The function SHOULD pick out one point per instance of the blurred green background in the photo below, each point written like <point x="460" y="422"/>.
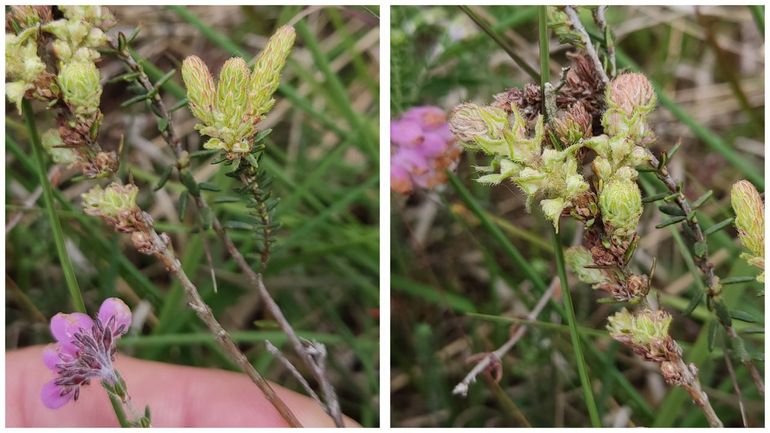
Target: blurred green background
<point x="454" y="284"/>
<point x="322" y="156"/>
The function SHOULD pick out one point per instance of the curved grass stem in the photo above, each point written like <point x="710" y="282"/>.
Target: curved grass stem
<point x="53" y="219"/>
<point x="585" y="381"/>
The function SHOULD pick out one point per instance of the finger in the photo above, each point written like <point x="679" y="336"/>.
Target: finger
<point x="178" y="396"/>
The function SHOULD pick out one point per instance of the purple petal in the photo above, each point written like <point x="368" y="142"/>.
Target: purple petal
<point x="51" y="356"/>
<point x="114" y="307"/>
<point x="433" y="145"/>
<point x="64" y="327"/>
<point x="410" y="159"/>
<point x="427" y="116"/>
<point x="53" y="395"/>
<point x="406" y="133"/>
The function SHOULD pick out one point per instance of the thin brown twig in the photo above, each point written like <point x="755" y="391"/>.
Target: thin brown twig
<point x="494" y="357"/>
<point x="689" y="381"/>
<point x="318" y="371"/>
<point x="293" y="370"/>
<point x="163" y="251"/>
<point x="586" y="39"/>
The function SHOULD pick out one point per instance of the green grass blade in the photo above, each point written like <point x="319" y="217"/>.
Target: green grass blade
<point x="585" y="381"/>
<point x="545" y="53"/>
<point x="338" y="93"/>
<point x="53" y="219"/>
<point x="502" y="42"/>
<point x="431" y="294"/>
<point x="300" y="234"/>
<point x="211" y="34"/>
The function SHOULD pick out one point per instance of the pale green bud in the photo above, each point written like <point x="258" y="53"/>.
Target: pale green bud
<point x="561" y="176"/>
<point x="15" y="92"/>
<point x="214" y="144"/>
<point x="232" y="93"/>
<point x="599" y="144"/>
<point x="615" y="153"/>
<point x="61" y="49"/>
<point x="572" y="125"/>
<point x="201" y="92"/>
<point x="480" y="127"/>
<point x="466" y="123"/>
<point x="226" y="142"/>
<point x="602" y="167"/>
<point x="631" y="93"/>
<point x="575" y="185"/>
<point x="552" y="209"/>
<point x="530" y="181"/>
<point x="522" y="148"/>
<point x="96" y="38"/>
<point x="110" y="202"/>
<point x="76" y="39"/>
<point x="626" y="173"/>
<point x="651" y="326"/>
<point x="22" y="65"/>
<point x="630" y="98"/>
<point x="95" y="15"/>
<point x="750" y="222"/>
<point x="267" y="69"/>
<point x="639" y="156"/>
<point x="495" y="132"/>
<point x="84" y="54"/>
<point x="79" y="83"/>
<point x="579" y="259"/>
<point x="640" y="329"/>
<point x="58" y="28"/>
<point x="621" y="323"/>
<point x="620" y="202"/>
<point x="77" y="32"/>
<point x="553" y="179"/>
<point x="21" y="60"/>
<point x="620" y="148"/>
<point x="52" y="143"/>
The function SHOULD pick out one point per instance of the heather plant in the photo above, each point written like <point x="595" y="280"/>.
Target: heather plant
<point x="422" y="149"/>
<point x="64" y="71"/>
<point x="583" y="151"/>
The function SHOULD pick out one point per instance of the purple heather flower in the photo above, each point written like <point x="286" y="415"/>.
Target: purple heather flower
<point x="422" y="147"/>
<point x="84" y="350"/>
